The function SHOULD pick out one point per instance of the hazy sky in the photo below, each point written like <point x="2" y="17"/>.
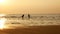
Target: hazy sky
<point x="29" y="6"/>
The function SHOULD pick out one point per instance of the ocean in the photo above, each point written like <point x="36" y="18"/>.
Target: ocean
<point x="16" y="20"/>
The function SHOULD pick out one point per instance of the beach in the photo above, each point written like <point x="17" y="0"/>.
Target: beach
<point x="53" y="29"/>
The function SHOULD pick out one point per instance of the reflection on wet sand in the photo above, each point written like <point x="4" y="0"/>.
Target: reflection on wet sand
<point x="33" y="30"/>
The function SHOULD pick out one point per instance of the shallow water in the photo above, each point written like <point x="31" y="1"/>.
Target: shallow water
<point x="15" y="20"/>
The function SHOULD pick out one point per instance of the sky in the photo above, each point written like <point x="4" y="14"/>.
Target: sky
<point x="29" y="6"/>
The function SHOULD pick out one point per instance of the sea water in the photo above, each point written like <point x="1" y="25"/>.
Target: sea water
<point x="15" y="20"/>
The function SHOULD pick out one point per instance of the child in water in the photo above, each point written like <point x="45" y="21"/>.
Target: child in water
<point x="23" y="16"/>
<point x="28" y="16"/>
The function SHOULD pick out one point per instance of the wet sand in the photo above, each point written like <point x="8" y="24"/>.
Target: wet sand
<point x="52" y="29"/>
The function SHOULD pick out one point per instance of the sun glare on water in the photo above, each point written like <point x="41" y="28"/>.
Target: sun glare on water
<point x="2" y="22"/>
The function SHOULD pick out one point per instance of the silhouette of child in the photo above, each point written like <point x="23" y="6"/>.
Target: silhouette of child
<point x="28" y="16"/>
<point x="23" y="16"/>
